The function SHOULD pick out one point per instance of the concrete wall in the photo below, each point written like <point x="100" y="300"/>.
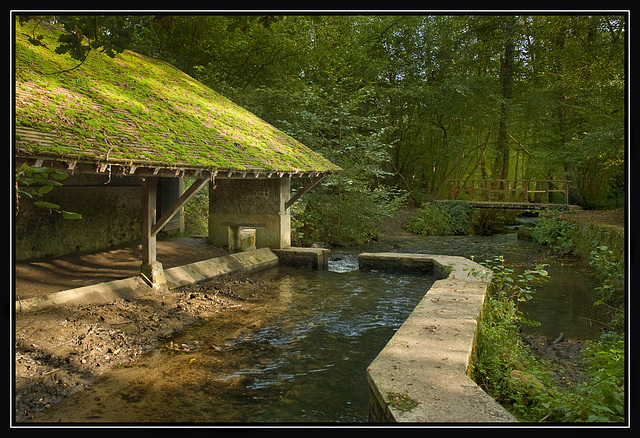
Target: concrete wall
<point x="135" y="287"/>
<point x="253" y="201"/>
<point x="420" y="376"/>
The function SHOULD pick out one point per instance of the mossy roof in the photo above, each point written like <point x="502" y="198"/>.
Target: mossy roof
<point x="140" y="112"/>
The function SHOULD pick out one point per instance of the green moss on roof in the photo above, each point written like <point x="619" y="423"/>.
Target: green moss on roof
<point x="149" y="113"/>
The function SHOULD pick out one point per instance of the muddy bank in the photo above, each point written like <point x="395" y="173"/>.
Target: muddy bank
<point x="61" y="351"/>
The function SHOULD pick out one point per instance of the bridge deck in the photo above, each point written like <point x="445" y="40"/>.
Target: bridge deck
<point x="518" y="205"/>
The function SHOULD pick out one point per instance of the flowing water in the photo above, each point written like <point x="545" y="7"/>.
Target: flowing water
<point x="564" y="304"/>
<point x="304" y="358"/>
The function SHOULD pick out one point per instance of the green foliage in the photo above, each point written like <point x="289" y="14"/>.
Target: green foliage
<point x="554" y="233"/>
<point x="499" y="350"/>
<point x="605" y="391"/>
<point x="602" y="398"/>
<point x="35" y="182"/>
<point x="561" y="237"/>
<point x="342" y="213"/>
<point x="396" y="101"/>
<point x="612" y="287"/>
<point x="442" y="218"/>
<point x="109" y="34"/>
<point x="501" y="359"/>
<point x="196" y="211"/>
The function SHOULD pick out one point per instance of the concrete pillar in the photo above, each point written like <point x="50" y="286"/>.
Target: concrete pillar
<point x="250" y="201"/>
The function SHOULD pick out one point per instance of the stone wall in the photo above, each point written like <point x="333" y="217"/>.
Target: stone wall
<point x="110" y="217"/>
<point x="251" y="201"/>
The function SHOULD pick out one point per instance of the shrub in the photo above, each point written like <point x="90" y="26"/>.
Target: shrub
<point x="487" y="222"/>
<point x="601" y="399"/>
<point x="442" y="218"/>
<point x="500" y="353"/>
<point x="611" y="290"/>
<point x="500" y="357"/>
<point x="554" y="233"/>
<point x="348" y="216"/>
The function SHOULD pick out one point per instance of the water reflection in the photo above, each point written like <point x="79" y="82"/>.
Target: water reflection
<point x="564" y="304"/>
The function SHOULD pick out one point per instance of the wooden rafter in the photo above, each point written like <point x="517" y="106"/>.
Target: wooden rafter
<point x="304" y="190"/>
<point x="186" y="196"/>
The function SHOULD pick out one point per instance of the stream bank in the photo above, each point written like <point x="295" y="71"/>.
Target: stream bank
<point x="61" y="351"/>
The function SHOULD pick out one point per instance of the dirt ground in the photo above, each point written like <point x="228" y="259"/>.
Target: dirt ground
<point x="61" y="351"/>
<point x="607" y="217"/>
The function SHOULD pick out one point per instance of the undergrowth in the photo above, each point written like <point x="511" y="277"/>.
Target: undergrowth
<point x="506" y="368"/>
<point x="442" y="218"/>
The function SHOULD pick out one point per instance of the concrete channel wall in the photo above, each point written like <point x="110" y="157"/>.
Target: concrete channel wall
<point x="421" y="375"/>
<point x="176" y="277"/>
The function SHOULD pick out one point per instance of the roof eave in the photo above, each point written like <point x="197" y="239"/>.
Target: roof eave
<point x="89" y="167"/>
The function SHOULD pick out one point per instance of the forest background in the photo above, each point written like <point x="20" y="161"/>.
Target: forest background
<point x="405" y="102"/>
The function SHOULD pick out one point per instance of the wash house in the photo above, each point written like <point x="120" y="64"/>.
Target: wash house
<point x="128" y="130"/>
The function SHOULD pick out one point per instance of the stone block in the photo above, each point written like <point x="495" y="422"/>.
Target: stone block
<point x="314" y="258"/>
<point x="251" y="201"/>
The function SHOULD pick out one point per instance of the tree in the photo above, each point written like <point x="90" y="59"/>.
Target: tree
<point x="410" y="101"/>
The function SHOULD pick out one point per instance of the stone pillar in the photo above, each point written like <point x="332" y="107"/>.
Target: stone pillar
<point x="250" y="201"/>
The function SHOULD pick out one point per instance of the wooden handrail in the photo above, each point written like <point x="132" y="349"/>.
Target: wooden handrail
<point x="505" y="187"/>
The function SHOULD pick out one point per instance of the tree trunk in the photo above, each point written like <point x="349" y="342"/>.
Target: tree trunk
<point x="501" y="165"/>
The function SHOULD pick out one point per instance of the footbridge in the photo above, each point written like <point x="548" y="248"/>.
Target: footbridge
<point x="512" y="194"/>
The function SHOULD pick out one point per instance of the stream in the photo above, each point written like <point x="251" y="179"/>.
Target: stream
<point x="562" y="305"/>
<point x="304" y="358"/>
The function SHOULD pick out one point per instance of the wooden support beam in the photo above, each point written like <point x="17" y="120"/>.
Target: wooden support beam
<point x="149" y="196"/>
<point x="150" y="270"/>
<point x="186" y="196"/>
<point x="304" y="190"/>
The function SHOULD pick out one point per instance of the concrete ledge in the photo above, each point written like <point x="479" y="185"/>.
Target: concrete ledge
<point x="239" y="263"/>
<point x="96" y="293"/>
<point x="314" y="258"/>
<point x="132" y="287"/>
<point x="420" y="376"/>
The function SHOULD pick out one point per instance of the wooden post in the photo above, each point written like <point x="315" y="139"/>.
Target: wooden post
<point x="304" y="190"/>
<point x="149" y="196"/>
<point x="546" y="191"/>
<point x="151" y="270"/>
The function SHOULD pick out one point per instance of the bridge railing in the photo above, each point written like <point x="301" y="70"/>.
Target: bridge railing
<point x="509" y="190"/>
